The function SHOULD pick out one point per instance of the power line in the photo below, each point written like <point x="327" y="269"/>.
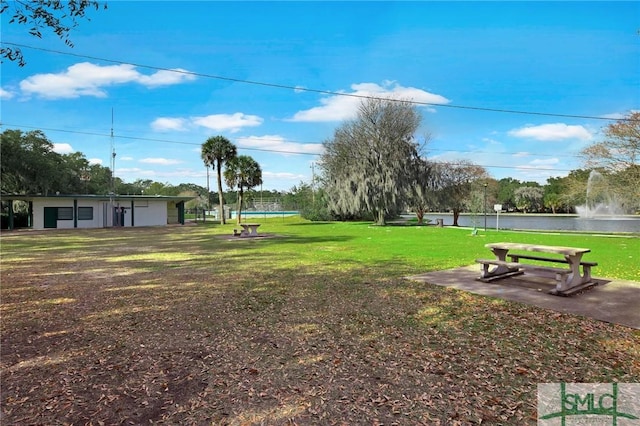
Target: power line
<point x="277" y="151"/>
<point x="152" y="139"/>
<point x="488" y="166"/>
<point x="311" y="90"/>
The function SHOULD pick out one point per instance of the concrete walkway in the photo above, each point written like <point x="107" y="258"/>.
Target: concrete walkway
<point x="613" y="301"/>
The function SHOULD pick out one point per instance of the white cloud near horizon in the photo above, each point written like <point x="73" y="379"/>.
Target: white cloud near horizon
<point x="227" y="122"/>
<point x="552" y="132"/>
<point x="62" y="148"/>
<point x="283" y="175"/>
<point x="278" y="143"/>
<point x="345" y="106"/>
<point x="94" y="161"/>
<point x="87" y="79"/>
<point x="136" y="172"/>
<point x="161" y="161"/>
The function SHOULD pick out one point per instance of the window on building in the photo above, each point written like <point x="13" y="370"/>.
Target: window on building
<point x="85" y="213"/>
<point x="65" y="213"/>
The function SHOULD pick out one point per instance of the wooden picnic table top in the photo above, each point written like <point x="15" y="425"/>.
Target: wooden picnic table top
<point x="568" y="251"/>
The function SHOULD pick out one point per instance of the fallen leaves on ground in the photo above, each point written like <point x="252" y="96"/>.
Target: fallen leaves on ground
<point x="90" y="340"/>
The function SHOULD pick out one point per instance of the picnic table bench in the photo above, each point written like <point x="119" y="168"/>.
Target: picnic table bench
<point x="568" y="280"/>
<point x="249" y="229"/>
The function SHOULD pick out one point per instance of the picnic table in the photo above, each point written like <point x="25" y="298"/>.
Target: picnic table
<point x="568" y="280"/>
<point x="249" y="229"/>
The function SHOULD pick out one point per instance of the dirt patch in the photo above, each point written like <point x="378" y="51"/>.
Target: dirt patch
<point x="139" y="327"/>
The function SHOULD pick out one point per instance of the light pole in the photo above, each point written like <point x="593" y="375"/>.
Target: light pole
<point x="485" y="207"/>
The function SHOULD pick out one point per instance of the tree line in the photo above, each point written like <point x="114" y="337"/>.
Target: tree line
<point x="372" y="168"/>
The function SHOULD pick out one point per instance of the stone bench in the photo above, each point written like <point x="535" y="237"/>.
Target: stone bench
<point x="507" y="269"/>
<point x="516" y="257"/>
<point x="586" y="266"/>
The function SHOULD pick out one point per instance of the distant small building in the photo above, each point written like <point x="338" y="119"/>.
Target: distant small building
<point x="98" y="211"/>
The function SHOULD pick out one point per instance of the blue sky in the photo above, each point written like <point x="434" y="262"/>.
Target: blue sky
<point x="463" y="60"/>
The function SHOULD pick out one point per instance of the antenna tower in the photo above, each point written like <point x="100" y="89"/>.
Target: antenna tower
<point x="113" y="159"/>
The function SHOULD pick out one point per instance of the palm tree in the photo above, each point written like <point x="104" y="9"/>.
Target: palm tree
<point x="242" y="172"/>
<point x="217" y="151"/>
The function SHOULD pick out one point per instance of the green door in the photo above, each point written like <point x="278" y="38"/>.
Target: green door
<point x="180" y="206"/>
<point x="50" y="217"/>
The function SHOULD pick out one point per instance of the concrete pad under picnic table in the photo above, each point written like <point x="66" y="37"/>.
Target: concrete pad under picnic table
<point x="614" y="301"/>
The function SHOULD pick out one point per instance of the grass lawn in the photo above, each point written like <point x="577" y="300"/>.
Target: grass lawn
<point x="178" y="325"/>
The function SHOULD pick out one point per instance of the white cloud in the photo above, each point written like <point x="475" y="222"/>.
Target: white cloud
<point x="552" y="132"/>
<point x="62" y="148"/>
<point x="83" y="79"/>
<point x="5" y="94"/>
<point x="278" y="143"/>
<point x="521" y="154"/>
<point x="162" y="161"/>
<point x="94" y="161"/>
<point x="168" y="123"/>
<point x="219" y="122"/>
<point x="344" y="107"/>
<point x="166" y="77"/>
<point x="87" y="79"/>
<point x="491" y="141"/>
<point x="136" y="173"/>
<point x="283" y="176"/>
<point x="544" y="163"/>
<point x="538" y="170"/>
<point x="126" y="158"/>
<point x="228" y="122"/>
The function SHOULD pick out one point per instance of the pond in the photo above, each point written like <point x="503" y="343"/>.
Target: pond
<point x="629" y="224"/>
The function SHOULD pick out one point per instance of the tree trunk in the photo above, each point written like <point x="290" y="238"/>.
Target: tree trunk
<point x="456" y="215"/>
<point x="380" y="220"/>
<point x="220" y="197"/>
<point x="239" y="209"/>
<point x="420" y="216"/>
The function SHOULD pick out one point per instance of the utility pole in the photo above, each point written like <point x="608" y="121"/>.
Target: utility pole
<point x="112" y="165"/>
<point x="113" y="159"/>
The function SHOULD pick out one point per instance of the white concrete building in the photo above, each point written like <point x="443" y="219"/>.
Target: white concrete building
<point x="99" y="211"/>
